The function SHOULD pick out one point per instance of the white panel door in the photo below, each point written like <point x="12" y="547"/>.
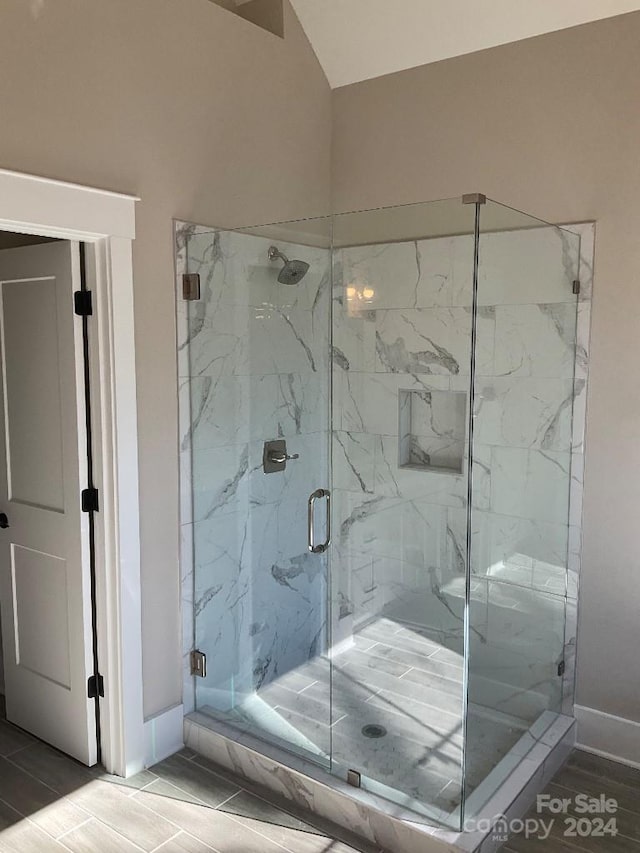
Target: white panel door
<point x="44" y="553"/>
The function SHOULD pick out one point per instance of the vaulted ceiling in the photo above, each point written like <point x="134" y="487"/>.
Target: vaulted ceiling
<point x="359" y="39"/>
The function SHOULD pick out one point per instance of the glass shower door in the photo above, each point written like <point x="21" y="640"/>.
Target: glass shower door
<point x="401" y="352"/>
<point x="258" y="342"/>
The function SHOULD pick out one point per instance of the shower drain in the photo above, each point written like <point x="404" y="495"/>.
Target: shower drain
<point x="372" y="730"/>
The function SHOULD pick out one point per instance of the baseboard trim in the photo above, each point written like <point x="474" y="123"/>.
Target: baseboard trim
<point x="608" y="736"/>
<point x="163" y="735"/>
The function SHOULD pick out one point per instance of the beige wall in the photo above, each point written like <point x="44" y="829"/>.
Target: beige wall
<point x="550" y="125"/>
<point x="207" y="118"/>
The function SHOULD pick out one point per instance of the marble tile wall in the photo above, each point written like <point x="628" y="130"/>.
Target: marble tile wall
<point x="402" y="322"/>
<point x="253" y="366"/>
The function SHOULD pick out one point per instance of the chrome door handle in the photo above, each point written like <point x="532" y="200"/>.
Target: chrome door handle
<point x="322" y="547"/>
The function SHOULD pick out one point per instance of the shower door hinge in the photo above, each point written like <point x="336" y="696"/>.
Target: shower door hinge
<point x="82" y="303"/>
<point x="474" y="198"/>
<point x="561" y="668"/>
<point x="576" y="286"/>
<point x="354" y="778"/>
<point x="95" y="686"/>
<point x="191" y="286"/>
<point x="90" y="502"/>
<point x="198" y="664"/>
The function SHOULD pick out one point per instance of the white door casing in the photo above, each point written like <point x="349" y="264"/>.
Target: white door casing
<point x="45" y="590"/>
<point x="106" y="222"/>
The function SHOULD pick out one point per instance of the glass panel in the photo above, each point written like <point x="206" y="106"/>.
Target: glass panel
<point x="258" y="346"/>
<point x="523" y="404"/>
<point x="402" y="294"/>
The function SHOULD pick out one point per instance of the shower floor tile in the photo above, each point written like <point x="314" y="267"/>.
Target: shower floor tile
<point x="396" y="678"/>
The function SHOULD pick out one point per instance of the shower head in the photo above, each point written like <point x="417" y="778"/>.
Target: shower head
<point x="293" y="271"/>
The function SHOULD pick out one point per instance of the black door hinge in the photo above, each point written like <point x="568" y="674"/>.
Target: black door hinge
<point x="83" y="303"/>
<point x="575" y="287"/>
<point x="90" y="500"/>
<point x="95" y="686"/>
<point x="561" y="668"/>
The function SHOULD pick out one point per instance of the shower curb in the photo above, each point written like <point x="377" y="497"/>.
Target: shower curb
<point x="368" y="816"/>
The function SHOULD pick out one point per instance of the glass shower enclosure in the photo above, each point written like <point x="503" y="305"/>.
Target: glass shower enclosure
<point x="376" y="419"/>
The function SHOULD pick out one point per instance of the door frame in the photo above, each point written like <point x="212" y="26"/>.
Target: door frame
<point x="105" y="222"/>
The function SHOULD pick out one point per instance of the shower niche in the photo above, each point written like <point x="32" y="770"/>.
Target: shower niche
<point x="432" y="427"/>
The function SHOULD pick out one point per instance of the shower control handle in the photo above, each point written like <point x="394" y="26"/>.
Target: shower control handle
<point x="313" y="497"/>
<point x="279" y="458"/>
<point x="275" y="456"/>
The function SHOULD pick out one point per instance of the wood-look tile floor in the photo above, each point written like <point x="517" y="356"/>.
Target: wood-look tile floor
<point x="49" y="803"/>
<point x="592" y="776"/>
